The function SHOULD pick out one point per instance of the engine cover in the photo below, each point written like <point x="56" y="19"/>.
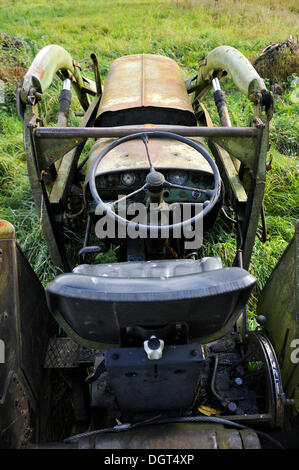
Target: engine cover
<point x="145" y="88"/>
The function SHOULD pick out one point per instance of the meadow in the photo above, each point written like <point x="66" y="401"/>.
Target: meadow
<point x="184" y="30"/>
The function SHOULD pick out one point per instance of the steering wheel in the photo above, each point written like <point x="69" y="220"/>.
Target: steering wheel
<point x="155" y="183"/>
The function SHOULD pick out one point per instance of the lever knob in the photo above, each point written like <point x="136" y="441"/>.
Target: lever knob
<point x="154" y="348"/>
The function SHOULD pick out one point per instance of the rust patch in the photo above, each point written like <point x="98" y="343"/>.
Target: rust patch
<point x="37" y="71"/>
<point x="165" y="153"/>
<point x="144" y="80"/>
<point x="7" y="230"/>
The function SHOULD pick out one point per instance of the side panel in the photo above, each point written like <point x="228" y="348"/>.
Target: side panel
<point x="279" y="304"/>
<point x="25" y="325"/>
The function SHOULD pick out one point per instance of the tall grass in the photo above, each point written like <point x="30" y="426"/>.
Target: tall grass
<point x="182" y="31"/>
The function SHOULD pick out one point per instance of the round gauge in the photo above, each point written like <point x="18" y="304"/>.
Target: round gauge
<point x="177" y="176"/>
<point x="128" y="179"/>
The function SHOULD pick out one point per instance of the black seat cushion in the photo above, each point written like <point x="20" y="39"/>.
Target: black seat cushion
<point x="97" y="301"/>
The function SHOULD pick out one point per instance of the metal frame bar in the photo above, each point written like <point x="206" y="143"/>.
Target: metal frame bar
<point x="247" y="144"/>
<point x="122" y="131"/>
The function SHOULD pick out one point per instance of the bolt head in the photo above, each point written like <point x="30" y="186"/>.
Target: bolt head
<point x="232" y="407"/>
<point x="261" y="320"/>
<point x="195" y="352"/>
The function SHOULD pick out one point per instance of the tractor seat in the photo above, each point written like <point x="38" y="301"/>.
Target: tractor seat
<point x="97" y="301"/>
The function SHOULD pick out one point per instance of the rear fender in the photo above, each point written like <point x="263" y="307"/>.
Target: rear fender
<point x="279" y="302"/>
<point x="25" y="327"/>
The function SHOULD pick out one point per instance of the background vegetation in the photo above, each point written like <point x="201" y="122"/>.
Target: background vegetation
<point x="185" y="30"/>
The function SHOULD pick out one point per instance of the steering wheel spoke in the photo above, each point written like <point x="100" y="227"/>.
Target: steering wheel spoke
<point x="208" y="192"/>
<point x="127" y="196"/>
<point x="144" y="138"/>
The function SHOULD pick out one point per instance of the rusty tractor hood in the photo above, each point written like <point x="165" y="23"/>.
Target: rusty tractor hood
<point x="144" y="88"/>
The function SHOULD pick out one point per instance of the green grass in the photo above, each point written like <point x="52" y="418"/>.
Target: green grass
<point x="285" y="123"/>
<point x="185" y="30"/>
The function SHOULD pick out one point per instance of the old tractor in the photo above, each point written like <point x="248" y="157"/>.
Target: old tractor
<point x="150" y="334"/>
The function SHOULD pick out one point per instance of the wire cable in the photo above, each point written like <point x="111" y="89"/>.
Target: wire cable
<point x="185" y="419"/>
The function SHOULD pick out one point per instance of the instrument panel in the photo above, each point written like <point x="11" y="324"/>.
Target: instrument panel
<point x="111" y="185"/>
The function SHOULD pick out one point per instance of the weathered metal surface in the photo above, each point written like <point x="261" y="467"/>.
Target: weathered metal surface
<point x="65" y="174"/>
<point x="25" y="324"/>
<point x="121" y="131"/>
<point x="250" y="420"/>
<point x="35" y="183"/>
<point x="229" y="174"/>
<point x="168" y="436"/>
<point x="229" y="59"/>
<point x="165" y="153"/>
<point x="65" y="99"/>
<point x="46" y="64"/>
<point x="220" y="101"/>
<point x="96" y="74"/>
<point x="36" y="163"/>
<point x="51" y="151"/>
<point x="262" y="351"/>
<point x="279" y="303"/>
<point x="240" y="142"/>
<point x="274" y="372"/>
<point x="253" y="156"/>
<point x="255" y="192"/>
<point x="173" y="436"/>
<point x="144" y="80"/>
<point x="228" y="166"/>
<point x="154" y="385"/>
<point x="62" y="353"/>
<point x="243" y="149"/>
<point x="250" y="439"/>
<point x="69" y="161"/>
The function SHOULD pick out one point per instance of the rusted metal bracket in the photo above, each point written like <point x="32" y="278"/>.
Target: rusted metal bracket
<point x="52" y="143"/>
<point x="263" y="237"/>
<point x="97" y="74"/>
<point x="70" y="159"/>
